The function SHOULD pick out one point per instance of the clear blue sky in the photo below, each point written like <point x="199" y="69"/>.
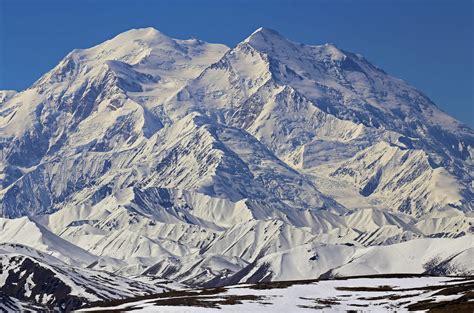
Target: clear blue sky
<point x="428" y="43"/>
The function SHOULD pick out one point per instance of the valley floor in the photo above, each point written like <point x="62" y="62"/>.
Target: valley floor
<point x="396" y="293"/>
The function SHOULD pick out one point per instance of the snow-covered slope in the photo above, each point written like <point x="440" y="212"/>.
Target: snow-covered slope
<point x="439" y="256"/>
<point x="32" y="276"/>
<point x="369" y="294"/>
<point x="26" y="232"/>
<point x="404" y="177"/>
<point x="319" y="104"/>
<point x="415" y="256"/>
<point x="154" y="157"/>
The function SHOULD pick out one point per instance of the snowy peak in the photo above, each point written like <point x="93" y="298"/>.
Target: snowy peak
<point x="130" y="46"/>
<point x="274" y="44"/>
<point x="264" y="35"/>
<point x="147" y="49"/>
<point x="146" y="33"/>
<point x="322" y="71"/>
<point x="271" y="43"/>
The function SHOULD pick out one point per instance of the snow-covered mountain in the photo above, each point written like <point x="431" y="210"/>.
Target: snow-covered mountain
<point x="150" y="158"/>
<point x="37" y="278"/>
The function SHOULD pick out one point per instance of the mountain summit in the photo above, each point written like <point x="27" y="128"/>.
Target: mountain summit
<point x="161" y="158"/>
